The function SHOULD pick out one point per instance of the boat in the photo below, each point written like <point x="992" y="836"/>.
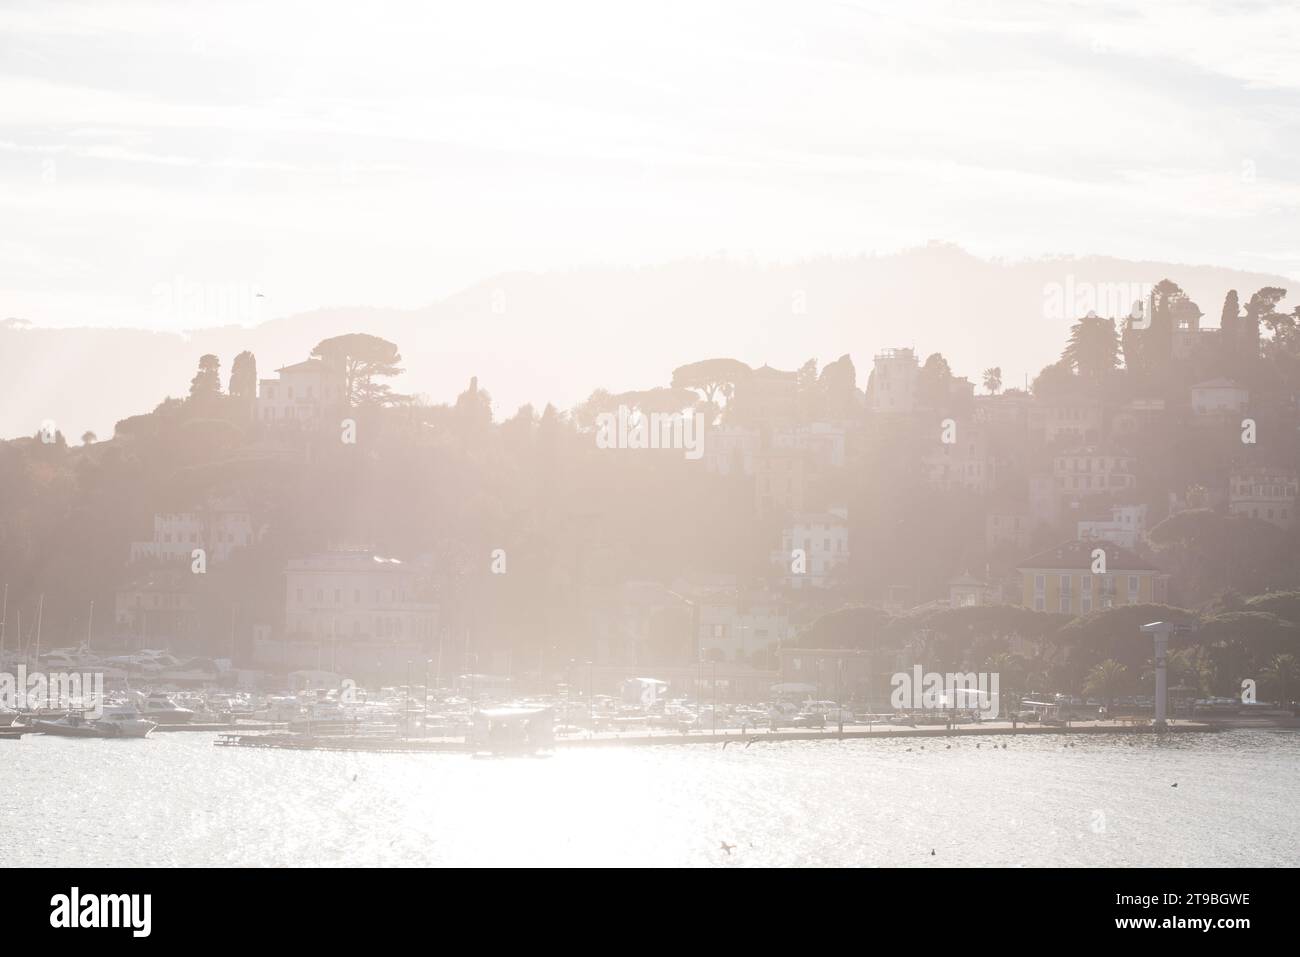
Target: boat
<point x="115" y="722"/>
<point x="158" y="707"/>
<point x="124" y="721"/>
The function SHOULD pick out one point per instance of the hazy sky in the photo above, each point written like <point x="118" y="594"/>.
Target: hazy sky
<point x="389" y="154"/>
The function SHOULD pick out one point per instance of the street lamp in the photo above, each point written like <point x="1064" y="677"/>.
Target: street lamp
<point x="1161" y="630"/>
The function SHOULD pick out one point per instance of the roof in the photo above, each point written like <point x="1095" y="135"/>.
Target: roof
<point x="307" y="365"/>
<point x="1078" y="554"/>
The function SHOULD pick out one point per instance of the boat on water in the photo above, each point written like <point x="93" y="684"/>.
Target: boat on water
<point x="115" y="722"/>
<point x="160" y="708"/>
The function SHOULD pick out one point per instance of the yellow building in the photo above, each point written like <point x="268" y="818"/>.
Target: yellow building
<point x="1080" y="577"/>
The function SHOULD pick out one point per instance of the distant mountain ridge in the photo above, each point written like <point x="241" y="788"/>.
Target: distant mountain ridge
<point x="557" y="336"/>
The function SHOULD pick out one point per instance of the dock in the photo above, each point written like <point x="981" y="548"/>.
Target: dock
<point x="377" y="743"/>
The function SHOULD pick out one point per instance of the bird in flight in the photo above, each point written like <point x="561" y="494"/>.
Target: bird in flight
<point x="726" y="847"/>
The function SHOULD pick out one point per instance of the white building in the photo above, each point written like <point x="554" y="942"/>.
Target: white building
<point x="218" y="529"/>
<point x="1219" y="397"/>
<point x="892" y="385"/>
<point x="966" y="463"/>
<point x="1127" y="525"/>
<point x="825" y="442"/>
<point x="734" y="626"/>
<point x="823" y="539"/>
<point x="730" y="450"/>
<point x="301" y="394"/>
<point x="1089" y="471"/>
<point x="358" y="594"/>
<point x="1266" y="494"/>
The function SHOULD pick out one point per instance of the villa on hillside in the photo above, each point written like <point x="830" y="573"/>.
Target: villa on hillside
<point x="1064" y="579"/>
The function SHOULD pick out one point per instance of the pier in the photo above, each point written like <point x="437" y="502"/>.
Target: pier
<point x="386" y="743"/>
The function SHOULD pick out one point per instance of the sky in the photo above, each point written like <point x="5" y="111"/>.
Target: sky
<point x="173" y="165"/>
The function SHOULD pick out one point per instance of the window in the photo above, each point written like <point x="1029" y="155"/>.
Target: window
<point x="1040" y="603"/>
<point x="1040" y="584"/>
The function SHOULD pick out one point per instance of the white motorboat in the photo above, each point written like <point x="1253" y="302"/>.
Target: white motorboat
<point x="115" y="722"/>
<point x="162" y="709"/>
<point x="123" y="721"/>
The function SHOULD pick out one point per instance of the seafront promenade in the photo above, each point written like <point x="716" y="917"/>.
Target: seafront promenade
<point x="726" y="738"/>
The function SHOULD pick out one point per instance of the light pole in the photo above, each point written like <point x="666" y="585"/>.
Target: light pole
<point x="715" y="696"/>
<point x="1161" y="630"/>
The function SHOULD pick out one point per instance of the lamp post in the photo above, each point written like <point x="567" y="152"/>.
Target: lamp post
<point x="715" y="696"/>
<point x="1161" y="630"/>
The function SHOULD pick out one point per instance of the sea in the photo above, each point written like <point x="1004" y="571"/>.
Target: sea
<point x="1086" y="800"/>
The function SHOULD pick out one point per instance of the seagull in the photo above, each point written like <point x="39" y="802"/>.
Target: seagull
<point x="1174" y="785"/>
<point x="749" y="742"/>
<point x="260" y="296"/>
<point x="932" y="852"/>
<point x="727" y="847"/>
<point x="724" y="745"/>
<point x="354" y="777"/>
<point x="947" y="747"/>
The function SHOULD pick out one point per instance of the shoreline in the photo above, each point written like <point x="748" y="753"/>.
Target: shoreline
<point x="382" y="744"/>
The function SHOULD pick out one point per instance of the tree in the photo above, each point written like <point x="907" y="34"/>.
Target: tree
<point x="89" y="438"/>
<point x="1283" y="674"/>
<point x="839" y="386"/>
<point x="243" y="377"/>
<point x="1230" y="320"/>
<point x="932" y="382"/>
<point x="206" y="383"/>
<point x="1106" y="679"/>
<point x="1054" y="381"/>
<point x="993" y="380"/>
<point x="362" y="358"/>
<point x="1093" y="349"/>
<point x="1260" y="309"/>
<point x="714" y="379"/>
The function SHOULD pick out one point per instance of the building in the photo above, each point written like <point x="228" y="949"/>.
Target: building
<point x="967" y="591"/>
<point x="779" y="478"/>
<point x="1268" y="494"/>
<point x="1007" y="528"/>
<point x="734" y="626"/>
<point x="823" y="537"/>
<point x="1069" y="579"/>
<point x="891" y="387"/>
<point x="767" y="397"/>
<point x="640" y="623"/>
<point x="354" y="613"/>
<point x="301" y="394"/>
<point x="1069" y="419"/>
<point x="1127" y="525"/>
<point x="823" y="442"/>
<point x="1081" y="472"/>
<point x="219" y="529"/>
<point x="158" y="611"/>
<point x="966" y="463"/>
<point x="835" y="674"/>
<point x="730" y="450"/>
<point x="1219" y="397"/>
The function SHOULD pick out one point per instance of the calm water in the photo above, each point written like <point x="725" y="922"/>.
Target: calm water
<point x="174" y="799"/>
